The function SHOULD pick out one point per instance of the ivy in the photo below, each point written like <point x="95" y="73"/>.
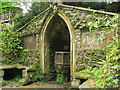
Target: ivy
<point x="38" y="75"/>
<point x="106" y="76"/>
<point x="11" y="44"/>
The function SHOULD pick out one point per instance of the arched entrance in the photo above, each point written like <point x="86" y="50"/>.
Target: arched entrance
<point x="57" y="35"/>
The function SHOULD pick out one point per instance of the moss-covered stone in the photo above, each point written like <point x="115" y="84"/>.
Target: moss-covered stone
<point x="90" y="58"/>
<point x="75" y="83"/>
<point x="87" y="53"/>
<point x="88" y="84"/>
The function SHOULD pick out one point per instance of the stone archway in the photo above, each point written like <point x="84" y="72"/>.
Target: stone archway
<point x="44" y="44"/>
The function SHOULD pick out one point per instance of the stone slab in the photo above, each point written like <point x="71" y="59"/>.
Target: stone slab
<point x="8" y="66"/>
<point x="88" y="84"/>
<point x="81" y="75"/>
<point x="24" y="74"/>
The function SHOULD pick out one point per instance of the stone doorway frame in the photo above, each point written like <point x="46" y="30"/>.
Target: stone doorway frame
<point x="72" y="42"/>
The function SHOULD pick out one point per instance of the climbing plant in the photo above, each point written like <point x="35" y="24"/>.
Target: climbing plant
<point x="8" y="7"/>
<point x="38" y="75"/>
<point x="11" y="44"/>
<point x="106" y="75"/>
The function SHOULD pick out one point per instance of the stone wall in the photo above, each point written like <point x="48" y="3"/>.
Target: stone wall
<point x="31" y="57"/>
<point x="89" y="49"/>
<point x="88" y="52"/>
<point x="35" y="25"/>
<point x="90" y="58"/>
<point x="30" y="34"/>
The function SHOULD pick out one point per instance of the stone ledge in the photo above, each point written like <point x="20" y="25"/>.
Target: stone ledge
<point x="86" y="9"/>
<point x="81" y="75"/>
<point x="18" y="67"/>
<point x="8" y="67"/>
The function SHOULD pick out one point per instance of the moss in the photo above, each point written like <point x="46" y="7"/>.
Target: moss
<point x="90" y="58"/>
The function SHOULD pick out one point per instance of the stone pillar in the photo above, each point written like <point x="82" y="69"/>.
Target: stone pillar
<point x="24" y="79"/>
<point x="24" y="74"/>
<point x="1" y="78"/>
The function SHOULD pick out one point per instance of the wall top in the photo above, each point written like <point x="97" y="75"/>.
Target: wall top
<point x="57" y="4"/>
<point x="86" y="9"/>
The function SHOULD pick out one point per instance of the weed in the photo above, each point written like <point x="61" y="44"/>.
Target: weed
<point x="38" y="75"/>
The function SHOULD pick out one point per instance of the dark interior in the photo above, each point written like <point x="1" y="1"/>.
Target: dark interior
<point x="58" y="37"/>
<point x="10" y="74"/>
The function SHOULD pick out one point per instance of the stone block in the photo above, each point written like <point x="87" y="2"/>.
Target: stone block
<point x="24" y="74"/>
<point x="88" y="84"/>
<point x="75" y="83"/>
<point x="81" y="75"/>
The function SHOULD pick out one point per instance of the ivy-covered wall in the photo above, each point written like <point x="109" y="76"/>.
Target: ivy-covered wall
<point x="88" y="52"/>
<point x="35" y="25"/>
<point x="30" y="36"/>
<point x="89" y="44"/>
<point x="90" y="58"/>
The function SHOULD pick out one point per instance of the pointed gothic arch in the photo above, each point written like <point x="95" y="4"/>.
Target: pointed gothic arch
<point x="72" y="42"/>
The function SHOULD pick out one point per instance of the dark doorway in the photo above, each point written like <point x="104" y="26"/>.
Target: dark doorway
<point x="57" y="39"/>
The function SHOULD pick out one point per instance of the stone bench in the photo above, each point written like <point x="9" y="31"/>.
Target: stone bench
<point x="26" y="73"/>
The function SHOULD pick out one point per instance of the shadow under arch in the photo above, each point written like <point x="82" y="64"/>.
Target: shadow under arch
<point x="72" y="42"/>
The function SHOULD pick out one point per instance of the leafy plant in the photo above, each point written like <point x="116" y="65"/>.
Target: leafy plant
<point x="11" y="44"/>
<point x="15" y="80"/>
<point x="59" y="78"/>
<point x="106" y="76"/>
<point x="38" y="75"/>
<point x="18" y="61"/>
<point x="7" y="82"/>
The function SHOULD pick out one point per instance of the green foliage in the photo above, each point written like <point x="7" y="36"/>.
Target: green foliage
<point x="59" y="78"/>
<point x="102" y="22"/>
<point x="21" y="20"/>
<point x="11" y="44"/>
<point x="15" y="80"/>
<point x="98" y="5"/>
<point x="35" y="89"/>
<point x="8" y="7"/>
<point x="7" y="82"/>
<point x="49" y="76"/>
<point x="18" y="61"/>
<point x="35" y="9"/>
<point x="38" y="75"/>
<point x="106" y="76"/>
